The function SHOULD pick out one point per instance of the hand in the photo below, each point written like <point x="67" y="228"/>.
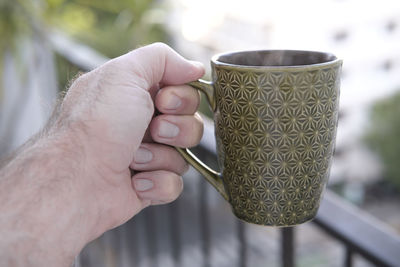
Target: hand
<point x="111" y="109"/>
<point x="74" y="182"/>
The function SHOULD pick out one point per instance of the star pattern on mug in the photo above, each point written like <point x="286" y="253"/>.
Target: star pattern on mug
<point x="275" y="136"/>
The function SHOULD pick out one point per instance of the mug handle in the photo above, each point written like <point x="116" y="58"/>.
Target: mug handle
<point x="213" y="177"/>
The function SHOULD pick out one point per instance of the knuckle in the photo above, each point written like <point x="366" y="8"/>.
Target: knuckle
<point x="198" y="127"/>
<point x="174" y="188"/>
<point x="160" y="45"/>
<point x="193" y="97"/>
<point x="185" y="167"/>
<point x="154" y="128"/>
<point x="198" y="99"/>
<point x="147" y="100"/>
<point x="199" y="119"/>
<point x="80" y="81"/>
<point x="158" y="48"/>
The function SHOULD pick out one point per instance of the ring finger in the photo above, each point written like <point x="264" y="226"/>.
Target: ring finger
<point x="151" y="157"/>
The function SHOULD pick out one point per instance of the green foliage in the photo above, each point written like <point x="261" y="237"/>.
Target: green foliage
<point x="383" y="136"/>
<point x="12" y="22"/>
<point x="111" y="27"/>
<point x="66" y="72"/>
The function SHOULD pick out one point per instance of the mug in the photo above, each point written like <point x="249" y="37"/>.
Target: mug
<point x="275" y="117"/>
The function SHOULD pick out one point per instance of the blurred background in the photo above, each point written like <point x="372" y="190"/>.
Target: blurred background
<point x="44" y="44"/>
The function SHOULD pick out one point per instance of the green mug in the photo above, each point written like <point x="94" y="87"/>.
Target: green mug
<point x="275" y="116"/>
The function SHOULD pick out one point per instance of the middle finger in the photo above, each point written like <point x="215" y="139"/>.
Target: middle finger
<point x="177" y="130"/>
<point x="178" y="99"/>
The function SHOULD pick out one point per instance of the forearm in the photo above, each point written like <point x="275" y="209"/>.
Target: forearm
<point x="60" y="192"/>
<point x="43" y="220"/>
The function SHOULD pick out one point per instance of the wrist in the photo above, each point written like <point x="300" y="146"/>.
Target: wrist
<point x="46" y="213"/>
<point x="71" y="185"/>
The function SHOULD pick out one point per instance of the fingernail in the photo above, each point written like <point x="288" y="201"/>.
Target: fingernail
<point x="143" y="184"/>
<point x="173" y="102"/>
<point x="143" y="155"/>
<point x="168" y="130"/>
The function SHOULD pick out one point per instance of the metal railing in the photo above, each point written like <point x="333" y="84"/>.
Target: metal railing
<point x="359" y="232"/>
<point x="160" y="230"/>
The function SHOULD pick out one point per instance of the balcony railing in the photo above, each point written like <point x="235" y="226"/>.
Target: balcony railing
<point x="197" y="229"/>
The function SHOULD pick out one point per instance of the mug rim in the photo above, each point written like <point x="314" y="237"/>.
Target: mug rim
<point x="215" y="60"/>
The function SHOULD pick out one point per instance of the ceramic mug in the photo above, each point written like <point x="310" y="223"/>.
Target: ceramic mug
<point x="275" y="116"/>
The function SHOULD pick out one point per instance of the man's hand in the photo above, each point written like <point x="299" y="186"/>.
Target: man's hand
<point x="74" y="182"/>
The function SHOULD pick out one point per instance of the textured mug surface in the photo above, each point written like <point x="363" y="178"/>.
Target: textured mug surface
<point x="275" y="115"/>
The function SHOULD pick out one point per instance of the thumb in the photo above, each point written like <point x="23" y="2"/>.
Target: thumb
<point x="159" y="64"/>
